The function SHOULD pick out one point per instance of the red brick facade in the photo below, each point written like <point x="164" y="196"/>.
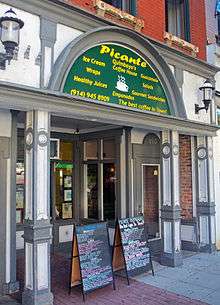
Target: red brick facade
<point x="185" y="177"/>
<point x="198" y="26"/>
<point x="153" y="14"/>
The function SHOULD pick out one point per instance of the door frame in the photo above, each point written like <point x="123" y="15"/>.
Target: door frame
<point x="159" y="194"/>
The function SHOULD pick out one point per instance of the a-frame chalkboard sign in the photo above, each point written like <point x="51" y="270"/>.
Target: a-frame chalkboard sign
<point x="91" y="265"/>
<point x="131" y="252"/>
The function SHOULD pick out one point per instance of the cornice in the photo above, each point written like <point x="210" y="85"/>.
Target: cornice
<point x="26" y="98"/>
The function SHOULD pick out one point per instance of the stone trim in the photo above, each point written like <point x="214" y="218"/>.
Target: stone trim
<point x="125" y="38"/>
<point x="103" y="8"/>
<point x="25" y="98"/>
<point x="173" y="40"/>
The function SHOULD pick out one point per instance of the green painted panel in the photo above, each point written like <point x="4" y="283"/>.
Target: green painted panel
<point x="114" y="74"/>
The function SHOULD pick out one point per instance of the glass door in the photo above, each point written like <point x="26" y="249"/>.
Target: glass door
<point x="99" y="179"/>
<point x="109" y="195"/>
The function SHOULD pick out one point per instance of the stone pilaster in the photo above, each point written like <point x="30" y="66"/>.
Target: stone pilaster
<point x="170" y="206"/>
<point x="8" y="136"/>
<point x="37" y="227"/>
<point x="205" y="194"/>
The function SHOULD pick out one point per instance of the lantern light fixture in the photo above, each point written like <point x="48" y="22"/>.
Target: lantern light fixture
<point x="207" y="90"/>
<point x="10" y="27"/>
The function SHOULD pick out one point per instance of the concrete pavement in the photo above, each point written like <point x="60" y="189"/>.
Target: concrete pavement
<point x="198" y="278"/>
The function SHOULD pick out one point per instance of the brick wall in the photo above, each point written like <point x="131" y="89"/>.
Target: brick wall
<point x="198" y="26"/>
<point x="185" y="177"/>
<point x="153" y="14"/>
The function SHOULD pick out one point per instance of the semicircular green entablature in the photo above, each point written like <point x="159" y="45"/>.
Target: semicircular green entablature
<point x="114" y="74"/>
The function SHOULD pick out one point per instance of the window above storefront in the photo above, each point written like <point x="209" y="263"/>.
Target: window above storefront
<point x="217" y="15"/>
<point x="177" y="18"/>
<point x="125" y="5"/>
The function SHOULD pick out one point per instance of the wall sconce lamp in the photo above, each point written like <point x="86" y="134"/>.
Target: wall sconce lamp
<point x="207" y="94"/>
<point x="10" y="27"/>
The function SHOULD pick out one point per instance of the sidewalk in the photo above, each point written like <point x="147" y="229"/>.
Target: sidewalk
<point x="198" y="278"/>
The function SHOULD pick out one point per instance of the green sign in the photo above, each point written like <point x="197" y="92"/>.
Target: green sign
<point x="114" y="74"/>
<point x="61" y="165"/>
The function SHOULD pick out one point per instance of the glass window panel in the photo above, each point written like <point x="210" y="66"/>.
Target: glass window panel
<point x="19" y="192"/>
<point x="54" y="148"/>
<point x="91" y="150"/>
<point x="109" y="196"/>
<point x="175" y="17"/>
<point x="116" y="3"/>
<point x="66" y="151"/>
<point x="108" y="149"/>
<point x="20" y="145"/>
<point x="63" y="183"/>
<point x="92" y="190"/>
<point x="218" y="116"/>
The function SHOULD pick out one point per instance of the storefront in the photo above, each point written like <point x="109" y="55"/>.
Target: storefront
<point x="104" y="137"/>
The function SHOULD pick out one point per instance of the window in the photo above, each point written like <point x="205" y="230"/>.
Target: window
<point x="218" y="116"/>
<point x="217" y="14"/>
<point x="20" y="186"/>
<point x="125" y="5"/>
<point x="177" y="18"/>
<point x="62" y="184"/>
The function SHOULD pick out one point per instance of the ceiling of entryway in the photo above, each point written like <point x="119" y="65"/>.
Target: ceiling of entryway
<point x="70" y="124"/>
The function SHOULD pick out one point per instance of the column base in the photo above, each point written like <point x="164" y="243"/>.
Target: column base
<point x="11" y="287"/>
<point x="40" y="298"/>
<point x="207" y="248"/>
<point x="171" y="260"/>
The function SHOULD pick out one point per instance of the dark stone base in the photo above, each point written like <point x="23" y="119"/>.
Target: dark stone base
<point x="171" y="260"/>
<point x="189" y="246"/>
<point x="41" y="298"/>
<point x="12" y="287"/>
<point x="207" y="248"/>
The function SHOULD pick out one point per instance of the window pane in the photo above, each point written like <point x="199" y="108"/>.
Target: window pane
<point x="54" y="149"/>
<point x="218" y="116"/>
<point x="92" y="190"/>
<point x="19" y="192"/>
<point x="66" y="151"/>
<point x="176" y="17"/>
<point x="108" y="149"/>
<point x="63" y="183"/>
<point x="91" y="150"/>
<point x="109" y="191"/>
<point x="116" y="3"/>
